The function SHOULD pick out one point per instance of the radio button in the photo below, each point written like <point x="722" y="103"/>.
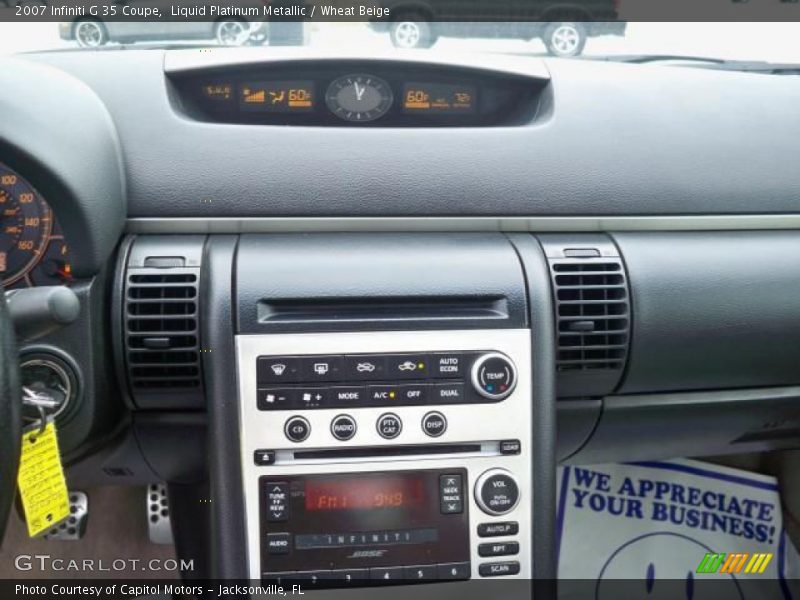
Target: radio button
<point x="448" y="366"/>
<point x="343" y="427"/>
<point x="420" y="573"/>
<point x="364" y="368"/>
<point x="278" y="369"/>
<point x="389" y="426"/>
<point x="386" y="573"/>
<point x="498" y="549"/>
<point x="451" y="494"/>
<point x="498" y="529"/>
<point x="321" y="368"/>
<point x="277" y="501"/>
<point x="279" y="543"/>
<point x="498" y="569"/>
<point x="434" y="424"/>
<point x="297" y="429"/>
<point x="407" y="366"/>
<point x="459" y="570"/>
<point x="447" y="393"/>
<point x="494" y="376"/>
<point x="497" y="492"/>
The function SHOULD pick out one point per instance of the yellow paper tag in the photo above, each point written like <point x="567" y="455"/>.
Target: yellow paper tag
<point x="41" y="480"/>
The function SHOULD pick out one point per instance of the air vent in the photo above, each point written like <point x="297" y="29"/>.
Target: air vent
<point x="592" y="322"/>
<point x="162" y="345"/>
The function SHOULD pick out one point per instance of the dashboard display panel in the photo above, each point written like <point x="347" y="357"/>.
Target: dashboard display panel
<point x="277" y="96"/>
<point x="366" y="493"/>
<point x="32" y="248"/>
<point x="438" y="98"/>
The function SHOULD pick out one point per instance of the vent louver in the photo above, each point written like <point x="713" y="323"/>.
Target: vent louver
<point x="592" y="323"/>
<point x="161" y="332"/>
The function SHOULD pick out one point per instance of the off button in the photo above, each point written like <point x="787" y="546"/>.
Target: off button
<point x="297" y="429"/>
<point x="434" y="424"/>
<point x="343" y="427"/>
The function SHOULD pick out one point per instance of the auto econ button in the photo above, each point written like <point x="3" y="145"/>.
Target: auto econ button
<point x="497" y="492"/>
<point x="343" y="427"/>
<point x="494" y="376"/>
<point x="297" y="429"/>
<point x="434" y="424"/>
<point x="447" y="366"/>
<point x="389" y="426"/>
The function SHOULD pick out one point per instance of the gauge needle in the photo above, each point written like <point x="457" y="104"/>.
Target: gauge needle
<point x="359" y="91"/>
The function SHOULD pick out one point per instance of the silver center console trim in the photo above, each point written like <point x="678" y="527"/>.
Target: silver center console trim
<point x="484" y="424"/>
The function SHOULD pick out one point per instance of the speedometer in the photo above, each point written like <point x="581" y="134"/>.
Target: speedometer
<point x="25" y="226"/>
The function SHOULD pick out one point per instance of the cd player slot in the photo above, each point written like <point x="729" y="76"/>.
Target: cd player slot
<point x="388" y="451"/>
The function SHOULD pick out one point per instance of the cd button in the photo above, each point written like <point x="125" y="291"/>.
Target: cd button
<point x="297" y="429"/>
<point x="389" y="426"/>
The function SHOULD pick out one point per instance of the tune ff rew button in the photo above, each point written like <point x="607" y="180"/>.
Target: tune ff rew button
<point x="434" y="424"/>
<point x="389" y="426"/>
<point x="297" y="429"/>
<point x="343" y="427"/>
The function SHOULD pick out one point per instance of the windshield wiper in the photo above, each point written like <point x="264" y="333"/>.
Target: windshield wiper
<point x="707" y="62"/>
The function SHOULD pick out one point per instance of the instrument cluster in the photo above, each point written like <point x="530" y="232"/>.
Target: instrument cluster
<point x="33" y="251"/>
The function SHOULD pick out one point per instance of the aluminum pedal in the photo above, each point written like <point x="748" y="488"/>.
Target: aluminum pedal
<point x="159" y="527"/>
<point x="73" y="527"/>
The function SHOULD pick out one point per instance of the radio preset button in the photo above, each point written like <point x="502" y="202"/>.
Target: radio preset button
<point x="386" y="573"/>
<point x="498" y="569"/>
<point x="420" y="573"/>
<point x="278" y="543"/>
<point x="297" y="429"/>
<point x="497" y="492"/>
<point x="498" y="529"/>
<point x="460" y="570"/>
<point x="343" y="427"/>
<point x="494" y="376"/>
<point x="434" y="424"/>
<point x="498" y="549"/>
<point x="389" y="426"/>
<point x="350" y="575"/>
<point x="451" y="494"/>
<point x="277" y="501"/>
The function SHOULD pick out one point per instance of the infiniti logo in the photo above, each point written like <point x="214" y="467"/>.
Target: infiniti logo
<point x="368" y="554"/>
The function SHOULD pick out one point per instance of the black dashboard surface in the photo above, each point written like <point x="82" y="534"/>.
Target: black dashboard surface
<point x="615" y="140"/>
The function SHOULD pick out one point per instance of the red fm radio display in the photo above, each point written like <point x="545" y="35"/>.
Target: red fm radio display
<point x="365" y="493"/>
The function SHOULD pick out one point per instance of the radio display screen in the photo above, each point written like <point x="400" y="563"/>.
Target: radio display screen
<point x="405" y="491"/>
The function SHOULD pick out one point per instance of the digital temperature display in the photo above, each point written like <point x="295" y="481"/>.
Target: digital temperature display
<point x="365" y="493"/>
<point x="438" y="98"/>
<point x="277" y="96"/>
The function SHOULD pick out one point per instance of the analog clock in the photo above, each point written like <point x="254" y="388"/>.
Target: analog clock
<point x="359" y="98"/>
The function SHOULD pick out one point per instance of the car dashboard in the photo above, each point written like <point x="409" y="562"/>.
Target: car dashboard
<point x="370" y="332"/>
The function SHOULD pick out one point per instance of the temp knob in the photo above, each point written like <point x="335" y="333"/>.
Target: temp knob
<point x="494" y="376"/>
<point x="497" y="492"/>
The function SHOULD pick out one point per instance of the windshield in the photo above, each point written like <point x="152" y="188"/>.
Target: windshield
<point x="773" y="42"/>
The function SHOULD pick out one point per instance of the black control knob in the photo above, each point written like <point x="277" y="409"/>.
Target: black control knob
<point x="497" y="492"/>
<point x="494" y="376"/>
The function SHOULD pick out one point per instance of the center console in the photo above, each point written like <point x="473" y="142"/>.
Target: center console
<point x="386" y="457"/>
